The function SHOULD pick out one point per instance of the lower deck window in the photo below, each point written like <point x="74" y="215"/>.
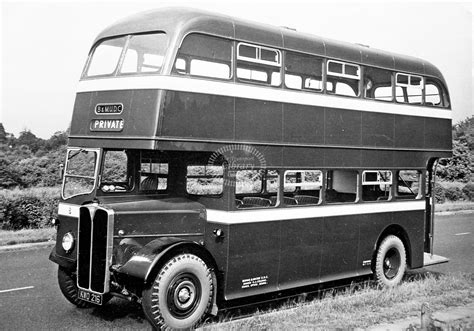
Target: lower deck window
<point x="205" y="179"/>
<point x="341" y="186"/>
<point x="256" y="188"/>
<point x="408" y="184"/>
<point x="376" y="185"/>
<point x="302" y="187"/>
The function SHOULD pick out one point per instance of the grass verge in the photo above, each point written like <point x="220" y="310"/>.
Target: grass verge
<point x="455" y="206"/>
<point x="27" y="236"/>
<point x="365" y="307"/>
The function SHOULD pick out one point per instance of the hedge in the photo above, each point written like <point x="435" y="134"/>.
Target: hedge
<point x="454" y="191"/>
<point x="28" y="209"/>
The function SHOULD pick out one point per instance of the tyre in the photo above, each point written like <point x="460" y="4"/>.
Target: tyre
<point x="390" y="264"/>
<point x="181" y="294"/>
<point x="68" y="286"/>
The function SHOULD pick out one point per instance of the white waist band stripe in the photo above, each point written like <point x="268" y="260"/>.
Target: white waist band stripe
<point x="186" y="84"/>
<point x="301" y="212"/>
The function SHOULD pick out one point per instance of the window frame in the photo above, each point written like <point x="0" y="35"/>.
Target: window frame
<point x="157" y="175"/>
<point x="421" y="188"/>
<point x="303" y="76"/>
<point x="262" y="191"/>
<point x="258" y="59"/>
<point x="212" y="195"/>
<point x="343" y="74"/>
<point x="189" y="57"/>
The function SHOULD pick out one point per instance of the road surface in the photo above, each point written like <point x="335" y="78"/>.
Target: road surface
<point x="30" y="297"/>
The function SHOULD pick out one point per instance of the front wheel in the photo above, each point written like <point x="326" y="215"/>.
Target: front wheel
<point x="67" y="284"/>
<point x="390" y="264"/>
<point x="181" y="294"/>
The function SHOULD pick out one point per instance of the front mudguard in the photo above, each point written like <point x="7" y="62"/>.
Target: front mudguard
<point x="66" y="263"/>
<point x="143" y="260"/>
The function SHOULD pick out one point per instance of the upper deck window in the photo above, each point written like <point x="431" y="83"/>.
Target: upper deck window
<point x="204" y="56"/>
<point x="378" y="84"/>
<point x="409" y="88"/>
<point x="435" y="94"/>
<point x="134" y="54"/>
<point x="303" y="72"/>
<point x="258" y="64"/>
<point x="343" y="78"/>
<point x="259" y="54"/>
<point x="106" y="57"/>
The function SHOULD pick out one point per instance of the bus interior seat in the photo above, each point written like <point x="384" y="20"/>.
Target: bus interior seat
<point x="256" y="201"/>
<point x="287" y="200"/>
<point x="150" y="183"/>
<point x="306" y="199"/>
<point x="290" y="201"/>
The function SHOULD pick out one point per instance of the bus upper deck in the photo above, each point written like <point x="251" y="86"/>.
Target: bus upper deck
<point x="240" y="82"/>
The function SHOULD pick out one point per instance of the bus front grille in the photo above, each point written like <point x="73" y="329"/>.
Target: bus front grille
<point x="94" y="238"/>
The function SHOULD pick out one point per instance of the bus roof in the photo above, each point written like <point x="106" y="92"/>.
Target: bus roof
<point x="178" y="22"/>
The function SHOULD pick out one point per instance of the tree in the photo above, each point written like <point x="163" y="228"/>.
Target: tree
<point x="58" y="139"/>
<point x="3" y="135"/>
<point x="460" y="167"/>
<point x="464" y="132"/>
<point x="29" y="139"/>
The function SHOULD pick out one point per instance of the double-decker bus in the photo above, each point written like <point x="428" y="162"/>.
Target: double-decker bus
<point x="213" y="160"/>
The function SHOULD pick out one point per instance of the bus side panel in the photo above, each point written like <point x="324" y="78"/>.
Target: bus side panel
<point x="300" y="260"/>
<point x="253" y="259"/>
<point x="414" y="223"/>
<point x="308" y="131"/>
<point x="206" y="116"/>
<point x="372" y="226"/>
<point x="340" y="245"/>
<point x="257" y="120"/>
<point x="343" y="127"/>
<point x="438" y="133"/>
<point x="409" y="131"/>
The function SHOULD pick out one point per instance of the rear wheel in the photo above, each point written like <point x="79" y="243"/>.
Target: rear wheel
<point x="181" y="294"/>
<point x="68" y="286"/>
<point x="390" y="264"/>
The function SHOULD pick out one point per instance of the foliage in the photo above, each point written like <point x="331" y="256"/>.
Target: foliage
<point x="28" y="209"/>
<point x="30" y="161"/>
<point x="3" y="135"/>
<point x="468" y="191"/>
<point x="464" y="132"/>
<point x="460" y="167"/>
<point x="454" y="193"/>
<point x="440" y="194"/>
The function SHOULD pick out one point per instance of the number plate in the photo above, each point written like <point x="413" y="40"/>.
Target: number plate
<point x="89" y="296"/>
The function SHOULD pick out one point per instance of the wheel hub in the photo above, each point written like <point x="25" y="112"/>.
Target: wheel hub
<point x="391" y="263"/>
<point x="184" y="295"/>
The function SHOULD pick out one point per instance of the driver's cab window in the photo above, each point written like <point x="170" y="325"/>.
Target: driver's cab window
<point x="116" y="175"/>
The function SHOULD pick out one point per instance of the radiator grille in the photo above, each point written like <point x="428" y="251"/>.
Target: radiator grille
<point x="93" y="249"/>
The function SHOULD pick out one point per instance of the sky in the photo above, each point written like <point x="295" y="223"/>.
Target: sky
<point x="44" y="44"/>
